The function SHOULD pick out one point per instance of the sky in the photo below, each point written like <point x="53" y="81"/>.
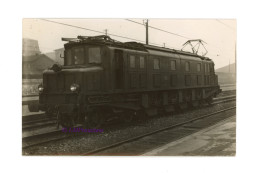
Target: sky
<point x="219" y="35"/>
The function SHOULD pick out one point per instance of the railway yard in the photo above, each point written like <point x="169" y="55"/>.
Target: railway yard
<point x="160" y="135"/>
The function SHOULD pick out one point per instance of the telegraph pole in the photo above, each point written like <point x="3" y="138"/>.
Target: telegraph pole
<point x="146" y="25"/>
<point x="106" y="31"/>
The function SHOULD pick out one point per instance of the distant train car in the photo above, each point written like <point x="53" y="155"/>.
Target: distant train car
<point x="103" y="78"/>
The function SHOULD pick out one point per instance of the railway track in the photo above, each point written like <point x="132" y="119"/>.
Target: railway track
<point x="143" y="143"/>
<point x="32" y="117"/>
<point x="228" y="87"/>
<point x="50" y="135"/>
<point x="38" y="123"/>
<point x="43" y="130"/>
<point x="224" y="99"/>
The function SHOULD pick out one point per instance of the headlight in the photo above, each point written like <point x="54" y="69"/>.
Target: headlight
<point x="74" y="87"/>
<point x="40" y="88"/>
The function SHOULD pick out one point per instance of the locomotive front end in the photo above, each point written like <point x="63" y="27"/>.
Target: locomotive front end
<point x="60" y="91"/>
<point x="64" y="90"/>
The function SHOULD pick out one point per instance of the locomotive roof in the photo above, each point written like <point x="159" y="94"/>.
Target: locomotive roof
<point x="162" y="49"/>
<point x="106" y="40"/>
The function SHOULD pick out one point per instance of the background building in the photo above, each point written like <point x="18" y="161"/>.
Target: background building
<point x="33" y="66"/>
<point x="30" y="47"/>
<point x="227" y="74"/>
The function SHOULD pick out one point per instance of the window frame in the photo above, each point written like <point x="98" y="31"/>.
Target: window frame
<point x="71" y="52"/>
<point x="73" y="55"/>
<point x="199" y="65"/>
<point x="87" y="55"/>
<point x="175" y="65"/>
<point x="154" y="67"/>
<point x="187" y="62"/>
<point x="132" y="63"/>
<point x="142" y="57"/>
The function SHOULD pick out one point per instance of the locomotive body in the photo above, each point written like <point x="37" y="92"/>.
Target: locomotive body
<point x="102" y="78"/>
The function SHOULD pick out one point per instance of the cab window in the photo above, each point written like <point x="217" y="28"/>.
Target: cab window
<point x="79" y="55"/>
<point x="94" y="55"/>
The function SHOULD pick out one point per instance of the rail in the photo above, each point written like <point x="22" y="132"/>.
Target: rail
<point x="38" y="120"/>
<point x="116" y="144"/>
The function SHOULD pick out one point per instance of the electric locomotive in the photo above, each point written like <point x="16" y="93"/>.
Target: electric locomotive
<point x="102" y="78"/>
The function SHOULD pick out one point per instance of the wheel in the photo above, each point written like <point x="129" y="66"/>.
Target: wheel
<point x="183" y="106"/>
<point x="93" y="120"/>
<point x="195" y="104"/>
<point x="65" y="120"/>
<point x="201" y="103"/>
<point x="127" y="117"/>
<point x="140" y="115"/>
<point x="50" y="112"/>
<point x="162" y="112"/>
<point x="209" y="101"/>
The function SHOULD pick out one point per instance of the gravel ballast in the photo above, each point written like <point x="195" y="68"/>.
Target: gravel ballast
<point x="79" y="144"/>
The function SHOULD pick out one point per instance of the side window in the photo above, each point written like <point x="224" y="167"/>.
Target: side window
<point x="173" y="65"/>
<point x="187" y="66"/>
<point x="198" y="67"/>
<point x="205" y="68"/>
<point x="79" y="55"/>
<point x="132" y="61"/>
<point x="142" y="63"/>
<point x="156" y="63"/>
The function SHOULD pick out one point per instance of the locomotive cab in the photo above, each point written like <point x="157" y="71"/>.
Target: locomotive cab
<point x="65" y="88"/>
<point x="83" y="55"/>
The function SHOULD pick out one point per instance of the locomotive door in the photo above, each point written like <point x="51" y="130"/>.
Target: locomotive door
<point x="119" y="70"/>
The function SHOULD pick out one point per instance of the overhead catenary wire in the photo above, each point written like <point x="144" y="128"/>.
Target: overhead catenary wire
<point x="115" y="35"/>
<point x="174" y="33"/>
<point x="225" y="24"/>
<point x="179" y="34"/>
<point x="92" y="30"/>
<point x="159" y="29"/>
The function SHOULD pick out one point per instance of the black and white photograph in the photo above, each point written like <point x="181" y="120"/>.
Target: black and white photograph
<point x="129" y="87"/>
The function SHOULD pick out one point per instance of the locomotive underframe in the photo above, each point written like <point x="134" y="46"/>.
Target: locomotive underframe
<point x="77" y="108"/>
